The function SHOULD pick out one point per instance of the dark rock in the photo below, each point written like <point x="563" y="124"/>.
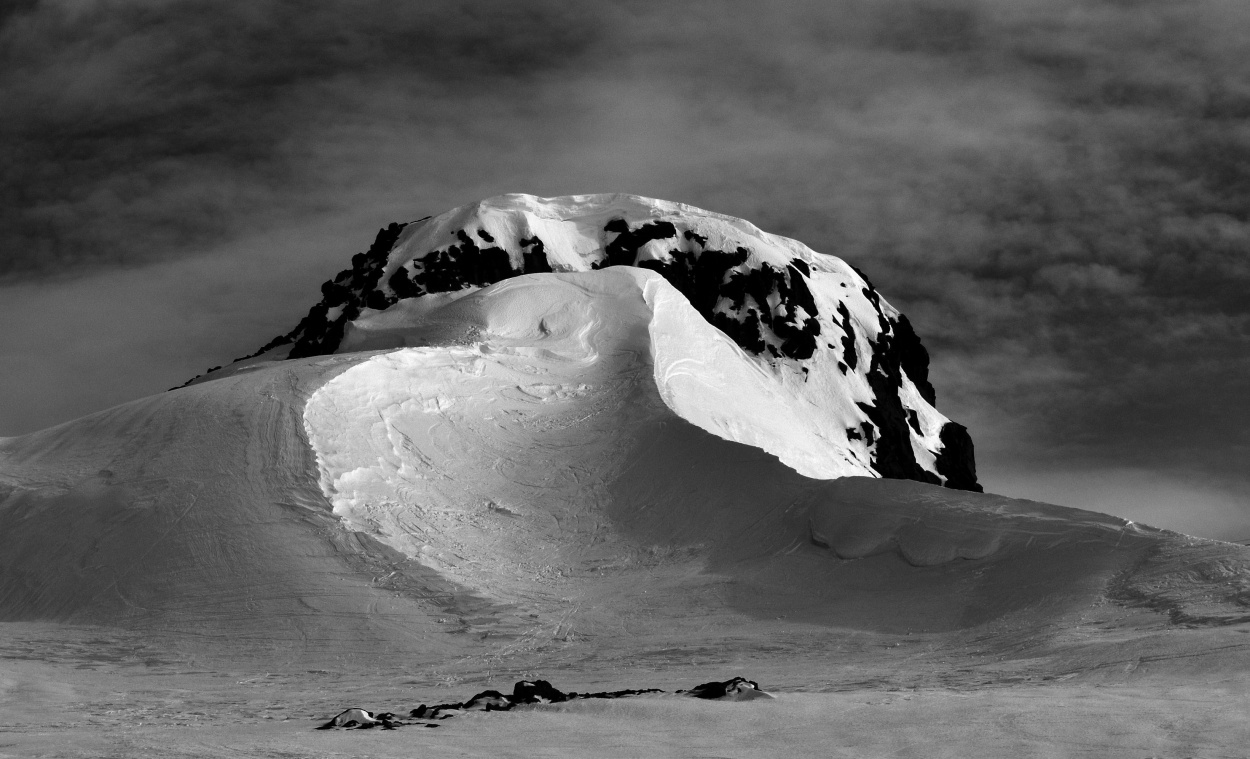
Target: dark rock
<point x="488" y="701"/>
<point x="535" y="256"/>
<point x="849" y="357"/>
<point x="956" y="461"/>
<point x="536" y="692"/>
<point x="622" y="249"/>
<point x="524" y="692"/>
<point x="352" y="289"/>
<point x="893" y="455"/>
<point x="360" y="719"/>
<point x="735" y="298"/>
<point x="729" y="689"/>
<point x="913" y="358"/>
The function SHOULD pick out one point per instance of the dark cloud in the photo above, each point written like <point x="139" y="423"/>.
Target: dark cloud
<point x="1056" y="191"/>
<point x="141" y="131"/>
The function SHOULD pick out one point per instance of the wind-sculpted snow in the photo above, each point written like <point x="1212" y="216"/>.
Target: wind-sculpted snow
<point x="925" y="531"/>
<point x="462" y="451"/>
<point x="810" y="320"/>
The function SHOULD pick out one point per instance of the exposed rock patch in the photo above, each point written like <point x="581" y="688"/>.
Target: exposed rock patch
<point x="528" y="692"/>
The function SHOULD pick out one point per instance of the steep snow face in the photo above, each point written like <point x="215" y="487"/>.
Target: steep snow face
<point x="809" y="328"/>
<point x="520" y="406"/>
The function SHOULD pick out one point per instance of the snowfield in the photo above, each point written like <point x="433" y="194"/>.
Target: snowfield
<point x="575" y="475"/>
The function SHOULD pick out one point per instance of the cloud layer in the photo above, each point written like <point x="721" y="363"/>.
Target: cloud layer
<point x="1056" y="191"/>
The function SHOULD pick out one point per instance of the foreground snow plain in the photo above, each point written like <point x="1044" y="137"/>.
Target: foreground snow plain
<point x="558" y="477"/>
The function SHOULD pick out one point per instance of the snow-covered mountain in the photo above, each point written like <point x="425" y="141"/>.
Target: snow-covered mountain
<point x="593" y="464"/>
<point x="454" y="472"/>
<point x="826" y="374"/>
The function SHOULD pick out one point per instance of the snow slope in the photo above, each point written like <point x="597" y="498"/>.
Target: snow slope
<point x="195" y="511"/>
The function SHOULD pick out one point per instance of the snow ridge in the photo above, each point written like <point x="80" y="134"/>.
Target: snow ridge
<point x="815" y="323"/>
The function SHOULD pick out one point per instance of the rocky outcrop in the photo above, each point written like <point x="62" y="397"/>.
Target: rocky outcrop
<point x="532" y="693"/>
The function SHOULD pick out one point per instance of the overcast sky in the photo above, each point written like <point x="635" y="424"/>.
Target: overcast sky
<point x="1057" y="192"/>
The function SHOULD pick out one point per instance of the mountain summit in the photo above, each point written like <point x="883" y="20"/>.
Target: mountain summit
<point x="844" y="370"/>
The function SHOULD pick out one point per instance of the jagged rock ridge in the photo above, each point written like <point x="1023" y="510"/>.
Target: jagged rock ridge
<point x="754" y="287"/>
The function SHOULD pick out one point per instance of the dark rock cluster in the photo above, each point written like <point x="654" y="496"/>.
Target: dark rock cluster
<point x="734" y="689"/>
<point x="729" y="294"/>
<point x="956" y="461"/>
<point x="896" y="350"/>
<point x="528" y="692"/>
<point x="734" y="297"/>
<point x="524" y="692"/>
<point x="342" y="299"/>
<point x="465" y="264"/>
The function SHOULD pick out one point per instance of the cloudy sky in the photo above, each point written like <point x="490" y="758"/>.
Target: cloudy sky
<point x="1057" y="192"/>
